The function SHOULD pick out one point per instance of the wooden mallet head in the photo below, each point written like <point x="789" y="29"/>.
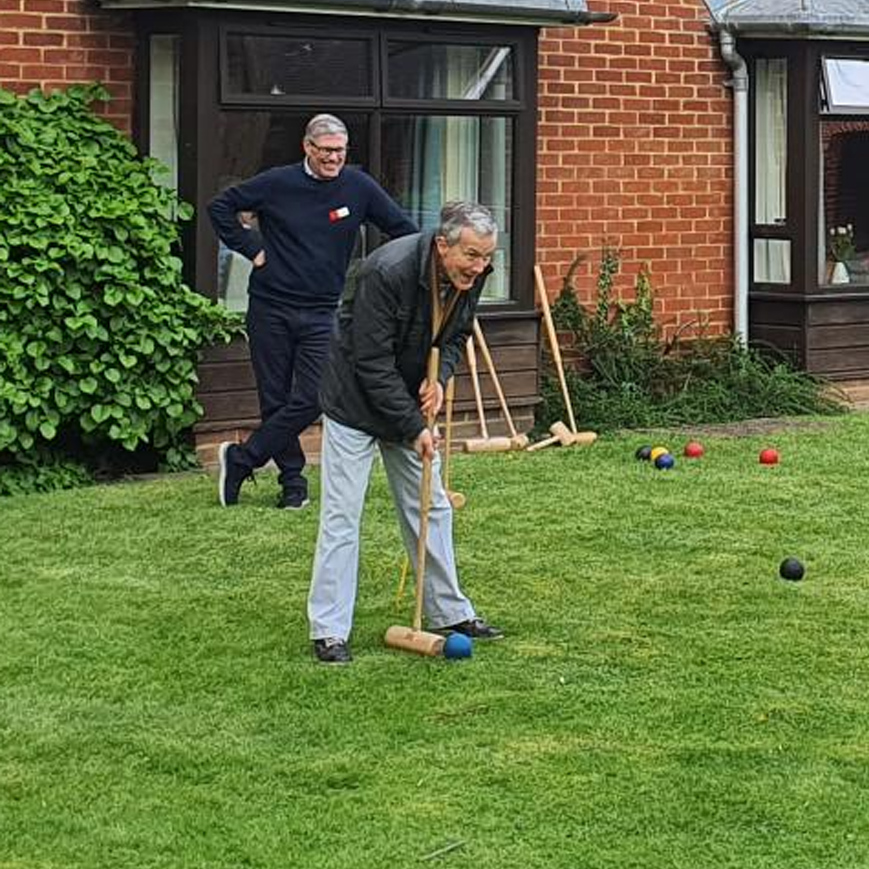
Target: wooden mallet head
<point x="417" y="641"/>
<point x="564" y="437"/>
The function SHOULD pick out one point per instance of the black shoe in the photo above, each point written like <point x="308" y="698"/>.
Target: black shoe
<point x="232" y="475"/>
<point x="293" y="501"/>
<point x="332" y="651"/>
<point x="475" y="628"/>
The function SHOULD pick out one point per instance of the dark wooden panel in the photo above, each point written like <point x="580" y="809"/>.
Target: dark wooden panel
<point x="227" y="388"/>
<point x="775" y="312"/>
<point x="229" y="406"/>
<point x="778" y="336"/>
<point x="828" y="337"/>
<point x="517" y="328"/>
<point x="226" y="377"/>
<point x="853" y="361"/>
<point x="522" y="384"/>
<point x="505" y="358"/>
<point x="233" y="352"/>
<point x="839" y="312"/>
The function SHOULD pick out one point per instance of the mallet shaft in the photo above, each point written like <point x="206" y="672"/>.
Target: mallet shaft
<point x="553" y="343"/>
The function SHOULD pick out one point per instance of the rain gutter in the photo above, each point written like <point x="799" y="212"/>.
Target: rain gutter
<point x="533" y="13"/>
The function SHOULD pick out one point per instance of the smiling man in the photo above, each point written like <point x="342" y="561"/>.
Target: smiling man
<point x="413" y="293"/>
<point x="309" y="214"/>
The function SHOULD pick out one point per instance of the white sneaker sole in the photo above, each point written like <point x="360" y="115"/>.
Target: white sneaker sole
<point x="221" y="480"/>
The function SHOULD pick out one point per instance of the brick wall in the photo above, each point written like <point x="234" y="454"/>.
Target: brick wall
<point x="636" y="146"/>
<point x="52" y="44"/>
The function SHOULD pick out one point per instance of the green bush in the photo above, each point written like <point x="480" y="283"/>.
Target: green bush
<point x="632" y="377"/>
<point x="99" y="336"/>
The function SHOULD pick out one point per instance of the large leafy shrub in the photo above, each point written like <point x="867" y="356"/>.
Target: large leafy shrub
<point x="632" y="376"/>
<point x="99" y="336"/>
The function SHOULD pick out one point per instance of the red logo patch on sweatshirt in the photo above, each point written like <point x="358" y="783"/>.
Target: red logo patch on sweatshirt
<point x="337" y="214"/>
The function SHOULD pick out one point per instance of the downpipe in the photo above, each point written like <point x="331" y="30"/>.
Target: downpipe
<point x="739" y="84"/>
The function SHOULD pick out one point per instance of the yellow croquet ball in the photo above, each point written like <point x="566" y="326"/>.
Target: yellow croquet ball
<point x="658" y="451"/>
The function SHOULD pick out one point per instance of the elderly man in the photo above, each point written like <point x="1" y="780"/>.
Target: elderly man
<point x="308" y="214"/>
<point x="412" y="293"/>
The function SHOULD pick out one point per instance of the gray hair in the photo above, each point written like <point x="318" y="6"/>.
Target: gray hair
<point x="325" y="125"/>
<point x="459" y="215"/>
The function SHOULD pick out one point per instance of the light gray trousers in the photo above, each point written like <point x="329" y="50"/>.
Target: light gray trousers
<point x="345" y="468"/>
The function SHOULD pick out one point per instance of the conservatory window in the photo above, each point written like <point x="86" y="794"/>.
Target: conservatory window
<point x="293" y="69"/>
<point x="163" y="106"/>
<point x="844" y="206"/>
<point x="845" y="86"/>
<point x="423" y="70"/>
<point x="772" y="257"/>
<point x="429" y="160"/>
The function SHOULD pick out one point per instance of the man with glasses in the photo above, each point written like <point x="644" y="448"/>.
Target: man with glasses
<point x="309" y="214"/>
<point x="411" y="294"/>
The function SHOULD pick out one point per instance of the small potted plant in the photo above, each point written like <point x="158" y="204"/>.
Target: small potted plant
<point x="841" y="249"/>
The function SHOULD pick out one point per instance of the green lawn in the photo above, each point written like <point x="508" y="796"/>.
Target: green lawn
<point x="663" y="699"/>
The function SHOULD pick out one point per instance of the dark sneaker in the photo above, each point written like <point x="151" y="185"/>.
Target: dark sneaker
<point x="293" y="501"/>
<point x="232" y="474"/>
<point x="475" y="628"/>
<point x="332" y="651"/>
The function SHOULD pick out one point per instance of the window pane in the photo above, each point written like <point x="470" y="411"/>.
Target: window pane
<point x="296" y="67"/>
<point x="431" y="160"/>
<point x="846" y="85"/>
<point x="424" y="71"/>
<point x="772" y="261"/>
<point x="163" y="106"/>
<point x="771" y="149"/>
<point x="844" y="206"/>
<point x="250" y="142"/>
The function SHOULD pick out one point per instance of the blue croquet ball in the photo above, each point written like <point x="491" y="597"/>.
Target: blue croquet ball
<point x="792" y="569"/>
<point x="644" y="453"/>
<point x="665" y="462"/>
<point x="458" y="646"/>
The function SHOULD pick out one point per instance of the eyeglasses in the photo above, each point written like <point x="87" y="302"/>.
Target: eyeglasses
<point x="340" y="151"/>
<point x="474" y="256"/>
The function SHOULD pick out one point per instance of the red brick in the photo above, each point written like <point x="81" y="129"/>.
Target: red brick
<point x="10" y="21"/>
<point x="43" y="38"/>
<point x="22" y="55"/>
<point x="45" y="5"/>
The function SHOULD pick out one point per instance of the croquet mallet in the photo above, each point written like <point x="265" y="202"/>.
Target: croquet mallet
<point x="457" y="499"/>
<point x="484" y="444"/>
<point x="415" y="639"/>
<point x="517" y="441"/>
<point x="561" y="434"/>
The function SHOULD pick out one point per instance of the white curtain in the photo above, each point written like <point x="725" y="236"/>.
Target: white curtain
<point x="771" y="257"/>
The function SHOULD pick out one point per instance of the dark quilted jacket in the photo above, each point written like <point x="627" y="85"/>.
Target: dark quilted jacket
<point x="377" y="360"/>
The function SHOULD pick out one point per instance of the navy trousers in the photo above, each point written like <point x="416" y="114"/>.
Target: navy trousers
<point x="288" y="348"/>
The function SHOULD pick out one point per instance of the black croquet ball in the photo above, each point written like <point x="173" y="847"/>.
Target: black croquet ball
<point x="644" y="453"/>
<point x="792" y="569"/>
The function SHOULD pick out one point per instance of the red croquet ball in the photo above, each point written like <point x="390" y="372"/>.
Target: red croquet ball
<point x="693" y="450"/>
<point x="769" y="456"/>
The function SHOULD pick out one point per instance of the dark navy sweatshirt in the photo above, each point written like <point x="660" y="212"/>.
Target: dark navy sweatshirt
<point x="307" y="227"/>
